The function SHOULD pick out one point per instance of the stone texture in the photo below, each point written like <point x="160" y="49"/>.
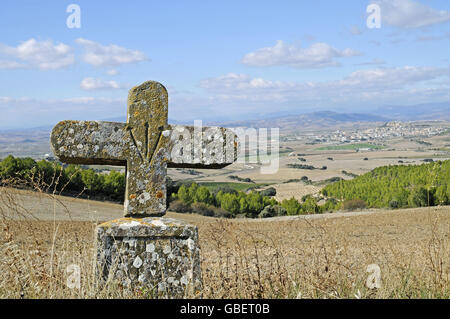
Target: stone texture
<point x="160" y="256"/>
<point x="146" y="145"/>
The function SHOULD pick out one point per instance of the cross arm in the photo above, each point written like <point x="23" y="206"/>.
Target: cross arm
<point x="200" y="147"/>
<point x="90" y="142"/>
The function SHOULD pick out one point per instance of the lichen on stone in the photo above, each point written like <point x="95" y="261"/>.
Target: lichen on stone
<point x="156" y="254"/>
<point x="146" y="145"/>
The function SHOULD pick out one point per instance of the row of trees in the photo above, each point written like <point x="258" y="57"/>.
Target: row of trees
<point x="52" y="176"/>
<point x="397" y="186"/>
<point x="240" y="204"/>
<point x="221" y="201"/>
<point x="388" y="186"/>
<point x="249" y="205"/>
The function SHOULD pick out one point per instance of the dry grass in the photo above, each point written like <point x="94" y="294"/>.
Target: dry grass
<point x="295" y="189"/>
<point x="308" y="258"/>
<point x="328" y="258"/>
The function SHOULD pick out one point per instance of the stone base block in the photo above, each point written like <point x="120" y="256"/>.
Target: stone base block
<point x="158" y="255"/>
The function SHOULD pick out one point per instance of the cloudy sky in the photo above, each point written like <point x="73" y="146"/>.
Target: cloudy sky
<point x="220" y="59"/>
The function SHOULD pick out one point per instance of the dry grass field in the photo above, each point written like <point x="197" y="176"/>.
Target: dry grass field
<point x="290" y="257"/>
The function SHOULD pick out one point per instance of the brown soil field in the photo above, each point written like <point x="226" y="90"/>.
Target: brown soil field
<point x="318" y="256"/>
<point x="296" y="190"/>
<point x="399" y="149"/>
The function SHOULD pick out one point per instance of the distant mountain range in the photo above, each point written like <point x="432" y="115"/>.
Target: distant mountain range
<point x="428" y="111"/>
<point x="35" y="141"/>
<point x="420" y="112"/>
<point x="291" y="122"/>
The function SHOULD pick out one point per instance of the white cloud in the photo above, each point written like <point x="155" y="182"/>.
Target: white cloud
<point x="44" y="55"/>
<point x="373" y="62"/>
<point x="233" y="81"/>
<point x="99" y="84"/>
<point x="108" y="55"/>
<point x="11" y="65"/>
<point x="112" y="72"/>
<point x="318" y="55"/>
<point x="373" y="86"/>
<point x="410" y="14"/>
<point x="392" y="78"/>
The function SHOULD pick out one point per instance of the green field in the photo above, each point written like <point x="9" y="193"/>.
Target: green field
<point x="350" y="147"/>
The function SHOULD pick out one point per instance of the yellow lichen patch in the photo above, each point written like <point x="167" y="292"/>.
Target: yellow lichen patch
<point x="123" y="220"/>
<point x="132" y="196"/>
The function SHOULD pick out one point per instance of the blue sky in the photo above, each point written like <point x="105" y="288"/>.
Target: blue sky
<point x="220" y="59"/>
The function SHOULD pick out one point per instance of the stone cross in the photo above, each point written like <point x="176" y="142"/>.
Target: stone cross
<point x="146" y="145"/>
<point x="143" y="249"/>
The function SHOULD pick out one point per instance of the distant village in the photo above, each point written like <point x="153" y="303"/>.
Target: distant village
<point x="386" y="131"/>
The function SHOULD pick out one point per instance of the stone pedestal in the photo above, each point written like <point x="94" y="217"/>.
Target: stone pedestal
<point x="158" y="255"/>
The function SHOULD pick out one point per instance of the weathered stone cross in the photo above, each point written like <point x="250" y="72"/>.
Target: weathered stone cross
<point x="146" y="145"/>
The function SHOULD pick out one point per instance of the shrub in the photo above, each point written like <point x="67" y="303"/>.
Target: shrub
<point x="442" y="195"/>
<point x="202" y="209"/>
<point x="301" y="166"/>
<point x="330" y="205"/>
<point x="184" y="194"/>
<point x="172" y="187"/>
<point x="179" y="206"/>
<point x="279" y="210"/>
<point x="92" y="181"/>
<point x="224" y="189"/>
<point x="354" y="204"/>
<point x="240" y="179"/>
<point x="230" y="202"/>
<point x="255" y="204"/>
<point x="267" y="212"/>
<point x="203" y="195"/>
<point x="271" y="191"/>
<point x="419" y="197"/>
<point x="292" y="206"/>
<point x="310" y="206"/>
<point x="272" y="211"/>
<point x="394" y="204"/>
<point x="114" y="185"/>
<point x="221" y="213"/>
<point x="293" y="180"/>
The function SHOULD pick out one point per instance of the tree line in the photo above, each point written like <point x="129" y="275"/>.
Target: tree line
<point x="69" y="179"/>
<point x="389" y="186"/>
<point x="224" y="201"/>
<point x="221" y="201"/>
<point x="397" y="186"/>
